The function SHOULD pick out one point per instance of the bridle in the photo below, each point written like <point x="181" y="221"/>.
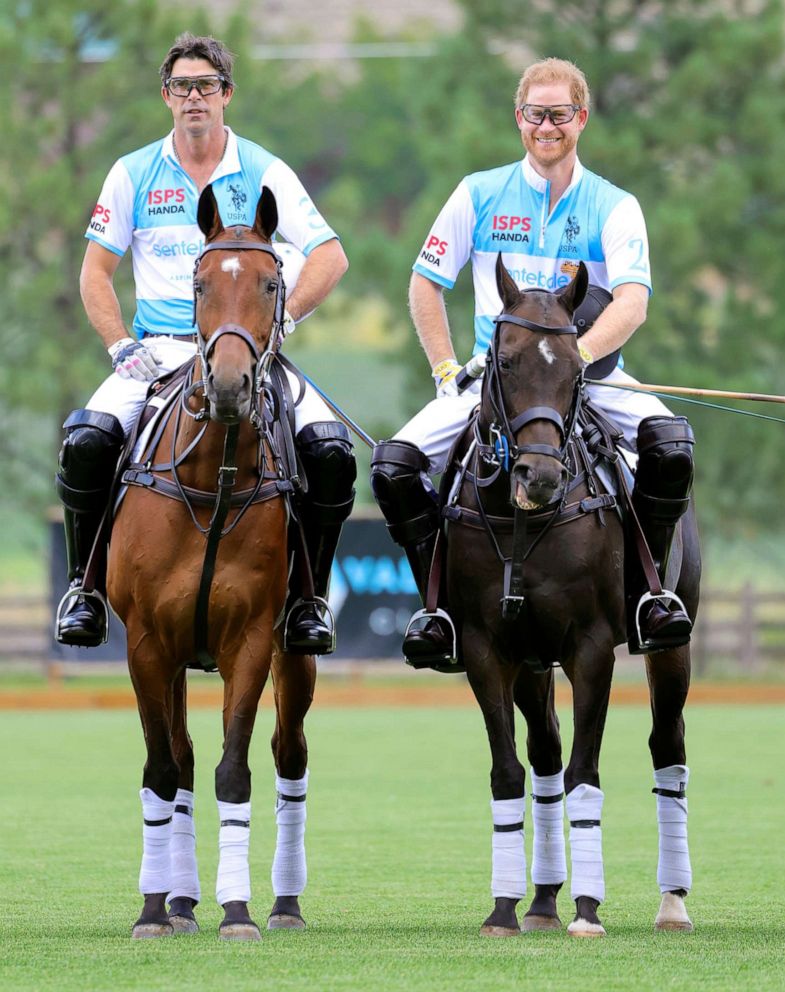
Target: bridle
<point x="504" y="427"/>
<point x="262" y="359"/>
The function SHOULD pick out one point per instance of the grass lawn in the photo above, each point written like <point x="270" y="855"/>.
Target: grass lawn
<point x="399" y="860"/>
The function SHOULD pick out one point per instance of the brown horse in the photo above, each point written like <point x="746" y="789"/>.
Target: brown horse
<point x="528" y="503"/>
<point x="188" y="592"/>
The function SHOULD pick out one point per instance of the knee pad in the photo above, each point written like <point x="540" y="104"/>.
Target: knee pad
<point x="88" y="459"/>
<point x="327" y="455"/>
<point x="665" y="463"/>
<point x="409" y="506"/>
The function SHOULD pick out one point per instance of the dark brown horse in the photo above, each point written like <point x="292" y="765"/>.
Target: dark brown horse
<point x="186" y="591"/>
<point x="562" y="602"/>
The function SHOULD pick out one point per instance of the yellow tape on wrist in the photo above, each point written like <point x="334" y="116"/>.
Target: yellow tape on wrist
<point x="446" y="370"/>
<point x="585" y="354"/>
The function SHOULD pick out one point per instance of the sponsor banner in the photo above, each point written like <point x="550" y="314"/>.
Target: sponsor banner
<point x="372" y="595"/>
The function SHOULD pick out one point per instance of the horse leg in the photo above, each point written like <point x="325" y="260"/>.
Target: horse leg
<point x="590" y="673"/>
<point x="186" y="892"/>
<point x="159" y="788"/>
<point x="668" y="673"/>
<point x="534" y="698"/>
<point x="244" y="680"/>
<point x="294" y="677"/>
<point x="491" y="683"/>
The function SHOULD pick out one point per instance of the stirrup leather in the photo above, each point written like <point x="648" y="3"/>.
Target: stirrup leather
<point x="73" y="593"/>
<point x="417" y="623"/>
<point x="323" y="605"/>
<point x="650" y="597"/>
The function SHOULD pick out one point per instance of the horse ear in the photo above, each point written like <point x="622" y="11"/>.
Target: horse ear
<point x="574" y="292"/>
<point x="505" y="283"/>
<point x="266" y="220"/>
<point x="208" y="216"/>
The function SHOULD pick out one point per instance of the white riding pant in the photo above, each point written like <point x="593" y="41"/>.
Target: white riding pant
<point x="125" y="397"/>
<point x="437" y="425"/>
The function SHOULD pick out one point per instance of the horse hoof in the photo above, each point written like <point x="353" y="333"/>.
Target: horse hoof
<point x="239" y="931"/>
<point x="673" y="914"/>
<point x="184" y="924"/>
<point x="536" y="922"/>
<point x="583" y="928"/>
<point x="285" y="921"/>
<point x="149" y="931"/>
<point x="489" y="930"/>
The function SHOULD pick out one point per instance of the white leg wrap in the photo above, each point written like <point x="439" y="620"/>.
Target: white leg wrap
<point x="673" y="868"/>
<point x="584" y="811"/>
<point x="508" y="855"/>
<point x="234" y="876"/>
<point x="185" y="873"/>
<point x="155" y="875"/>
<point x="549" y="857"/>
<point x="290" y="872"/>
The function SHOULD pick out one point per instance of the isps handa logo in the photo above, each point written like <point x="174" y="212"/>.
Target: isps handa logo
<point x="166" y="201"/>
<point x="100" y="218"/>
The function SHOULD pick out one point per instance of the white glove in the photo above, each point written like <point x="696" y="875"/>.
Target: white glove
<point x="288" y="325"/>
<point x="134" y="360"/>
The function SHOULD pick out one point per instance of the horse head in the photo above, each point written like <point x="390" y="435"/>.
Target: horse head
<point x="238" y="305"/>
<point x="531" y="388"/>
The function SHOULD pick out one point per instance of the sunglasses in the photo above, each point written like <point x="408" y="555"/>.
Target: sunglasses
<point x="206" y="85"/>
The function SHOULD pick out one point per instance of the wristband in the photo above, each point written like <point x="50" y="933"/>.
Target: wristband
<point x="585" y="354"/>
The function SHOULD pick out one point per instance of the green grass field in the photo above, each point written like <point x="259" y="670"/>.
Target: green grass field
<point x="399" y="853"/>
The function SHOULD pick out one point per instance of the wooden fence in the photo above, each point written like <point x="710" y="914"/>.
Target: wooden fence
<point x="742" y="631"/>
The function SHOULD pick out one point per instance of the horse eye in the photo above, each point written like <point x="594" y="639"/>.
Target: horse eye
<point x="271" y="286"/>
<point x="505" y="365"/>
<point x="198" y="287"/>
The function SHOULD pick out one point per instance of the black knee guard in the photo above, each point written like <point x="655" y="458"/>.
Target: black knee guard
<point x="88" y="459"/>
<point x="327" y="456"/>
<point x="409" y="506"/>
<point x="663" y="480"/>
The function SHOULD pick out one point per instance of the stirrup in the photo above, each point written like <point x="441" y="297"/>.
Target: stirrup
<point x="448" y="660"/>
<point x="321" y="603"/>
<point x="72" y="593"/>
<point x="649" y="597"/>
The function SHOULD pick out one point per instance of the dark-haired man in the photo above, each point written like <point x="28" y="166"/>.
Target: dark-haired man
<point x="148" y="203"/>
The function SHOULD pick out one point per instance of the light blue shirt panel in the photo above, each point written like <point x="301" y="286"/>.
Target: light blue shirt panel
<point x="510" y="214"/>
<point x="176" y="204"/>
<point x="163" y="317"/>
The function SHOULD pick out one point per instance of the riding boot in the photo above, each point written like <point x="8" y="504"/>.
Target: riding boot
<point x="660" y="497"/>
<point x="398" y="474"/>
<point x="328" y="463"/>
<point x="88" y="460"/>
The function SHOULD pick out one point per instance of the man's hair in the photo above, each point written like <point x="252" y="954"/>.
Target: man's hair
<point x="188" y="46"/>
<point x="549" y="71"/>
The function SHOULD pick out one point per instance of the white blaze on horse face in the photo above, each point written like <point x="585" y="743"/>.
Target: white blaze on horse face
<point x="545" y="350"/>
<point x="232" y="265"/>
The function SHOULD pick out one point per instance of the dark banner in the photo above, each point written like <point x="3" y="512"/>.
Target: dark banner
<point x="372" y="594"/>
